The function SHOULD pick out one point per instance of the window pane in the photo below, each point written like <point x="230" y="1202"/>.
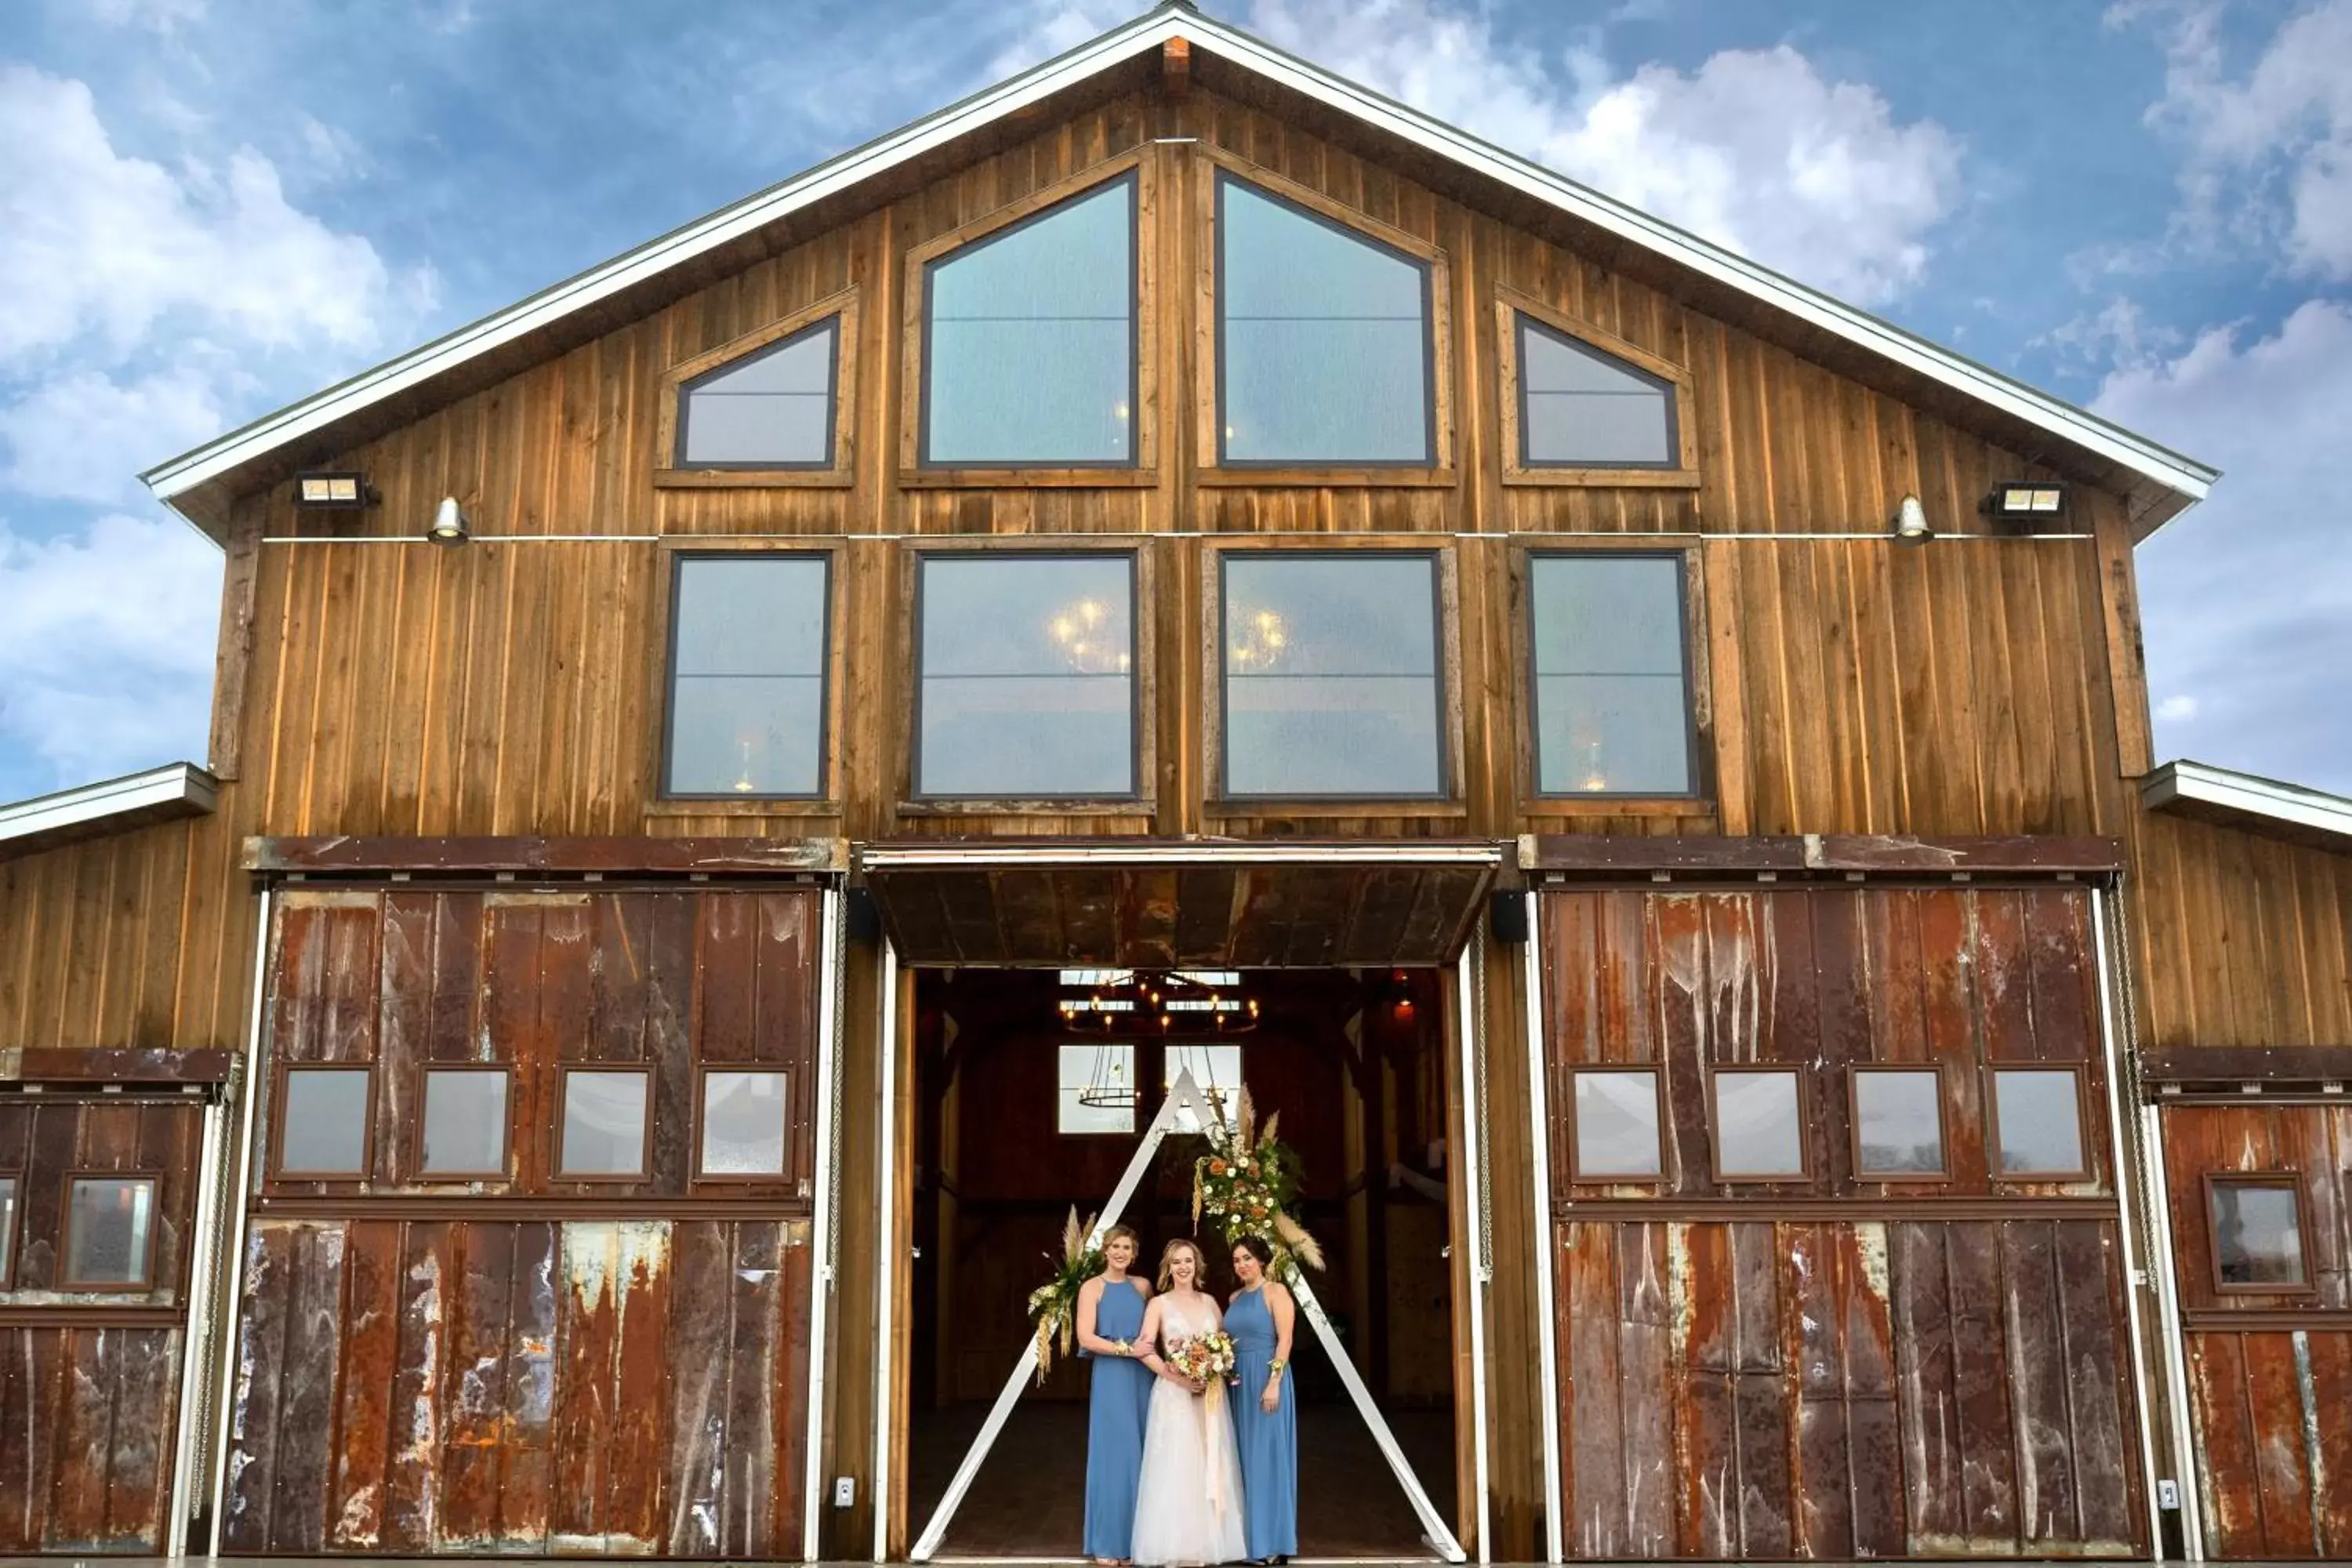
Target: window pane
<point x="746" y="681"/>
<point x="1031" y="340"/>
<point x="771" y="409"/>
<point x="1216" y="1072"/>
<point x="1585" y="407"/>
<point x="465" y="1123"/>
<point x="744" y="1115"/>
<point x="2040" y="1115"/>
<point x="604" y="1123"/>
<point x="2258" y="1234"/>
<point x="1103" y="1074"/>
<point x="1027" y="688"/>
<point x="1616" y="1125"/>
<point x="325" y="1121"/>
<point x="1332" y="676"/>
<point x="1758" y="1131"/>
<point x="1613" y="705"/>
<point x="110" y="1228"/>
<point x="1324" y="351"/>
<point x="7" y="1224"/>
<point x="1899" y="1123"/>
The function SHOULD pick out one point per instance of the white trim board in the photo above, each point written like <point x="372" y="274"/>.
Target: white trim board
<point x="1184" y="1094"/>
<point x="177" y="789"/>
<point x="2182" y="481"/>
<point x="2248" y="801"/>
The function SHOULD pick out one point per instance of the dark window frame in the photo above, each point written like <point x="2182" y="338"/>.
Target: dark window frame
<point x="837" y="472"/>
<point x="1510" y="304"/>
<point x="67" y="1282"/>
<point x="832" y="323"/>
<point x="11" y="1221"/>
<point x="278" y="1169"/>
<point x="1433" y="454"/>
<point x="1807" y="1166"/>
<point x="506" y="1172"/>
<point x="2292" y="1180"/>
<point x="824" y="741"/>
<point x="1525" y="322"/>
<point x="564" y="1073"/>
<point x="1693" y="741"/>
<point x="2080" y="1070"/>
<point x="701" y="1112"/>
<point x="1577" y="1174"/>
<point x="1943" y="1174"/>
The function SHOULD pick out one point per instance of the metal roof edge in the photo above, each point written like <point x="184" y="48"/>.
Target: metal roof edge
<point x="2249" y="794"/>
<point x="174" y="784"/>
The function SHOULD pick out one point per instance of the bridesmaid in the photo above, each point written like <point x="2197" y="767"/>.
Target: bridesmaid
<point x="1111" y="1316"/>
<point x="1265" y="1416"/>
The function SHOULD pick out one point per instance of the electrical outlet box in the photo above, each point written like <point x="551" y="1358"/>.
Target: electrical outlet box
<point x="844" y="1491"/>
<point x="2167" y="1494"/>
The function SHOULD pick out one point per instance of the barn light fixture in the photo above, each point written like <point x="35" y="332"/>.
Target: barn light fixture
<point x="2026" y="502"/>
<point x="1911" y="522"/>
<point x="448" y="522"/>
<point x="336" y="491"/>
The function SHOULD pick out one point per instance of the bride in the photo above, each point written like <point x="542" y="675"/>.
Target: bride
<point x="1188" y="1506"/>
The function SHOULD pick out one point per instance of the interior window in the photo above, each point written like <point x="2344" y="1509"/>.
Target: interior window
<point x="464" y="1130"/>
<point x="1216" y="1072"/>
<point x="7" y="1227"/>
<point x="109" y="1232"/>
<point x="1582" y="407"/>
<point x="1324" y="345"/>
<point x="324" y="1124"/>
<point x="1613" y="707"/>
<point x="1332" y="684"/>
<point x="1096" y="1092"/>
<point x="747" y="676"/>
<point x="2039" y="1114"/>
<point x="745" y="1115"/>
<point x="1616" y="1125"/>
<point x="772" y="408"/>
<point x="604" y="1122"/>
<point x="1898" y="1122"/>
<point x="1029" y="341"/>
<point x="1759" y="1131"/>
<point x="2257" y="1233"/>
<point x="1026" y="677"/>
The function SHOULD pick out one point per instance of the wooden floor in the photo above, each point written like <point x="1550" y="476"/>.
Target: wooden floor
<point x="1029" y="1499"/>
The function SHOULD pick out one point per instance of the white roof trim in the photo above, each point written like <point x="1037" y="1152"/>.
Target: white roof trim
<point x="2183" y="476"/>
<point x="178" y="784"/>
<point x="2202" y="784"/>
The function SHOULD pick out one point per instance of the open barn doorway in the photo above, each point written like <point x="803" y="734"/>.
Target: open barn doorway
<point x="1032" y="1089"/>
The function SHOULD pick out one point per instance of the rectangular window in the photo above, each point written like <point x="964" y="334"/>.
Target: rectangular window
<point x="1333" y="676"/>
<point x="1216" y="1072"/>
<point x="1096" y="1092"/>
<point x="463" y="1131"/>
<point x="747" y="676"/>
<point x="606" y="1133"/>
<point x="2259" y="1244"/>
<point x="1025" y="677"/>
<point x="746" y="1116"/>
<point x="324" y="1120"/>
<point x="1759" y="1121"/>
<point x="2037" y="1123"/>
<point x="1616" y="1134"/>
<point x="772" y="407"/>
<point x="1898" y="1123"/>
<point x="109" y="1233"/>
<point x="1612" y="701"/>
<point x="7" y="1229"/>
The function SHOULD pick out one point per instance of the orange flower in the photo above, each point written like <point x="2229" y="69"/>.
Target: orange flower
<point x="1216" y="1167"/>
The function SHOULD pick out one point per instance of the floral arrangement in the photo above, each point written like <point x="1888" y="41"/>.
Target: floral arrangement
<point x="1054" y="1306"/>
<point x="1207" y="1359"/>
<point x="1246" y="1184"/>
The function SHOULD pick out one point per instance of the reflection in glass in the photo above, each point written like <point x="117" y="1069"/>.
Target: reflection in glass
<point x="2040" y="1122"/>
<point x="772" y="408"/>
<point x="2258" y="1233"/>
<point x="1029" y="341"/>
<point x="1613" y="702"/>
<point x="1617" y="1125"/>
<point x="1109" y="1066"/>
<point x="1027" y="682"/>
<point x="1757" y="1126"/>
<point x="1581" y="408"/>
<point x="747" y="676"/>
<point x="744" y="1115"/>
<point x="110" y="1229"/>
<point x="1324" y="337"/>
<point x="8" y="1224"/>
<point x="464" y="1131"/>
<point x="1898" y="1122"/>
<point x="325" y="1122"/>
<point x="1332" y="676"/>
<point x="1216" y="1072"/>
<point x="604" y="1123"/>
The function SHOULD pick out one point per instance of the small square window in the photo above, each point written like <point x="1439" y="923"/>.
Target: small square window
<point x="1760" y="1124"/>
<point x="1216" y="1072"/>
<point x="109" y="1233"/>
<point x="2258" y="1236"/>
<point x="7" y="1229"/>
<point x="1097" y="1090"/>
<point x="607" y="1131"/>
<point x="1612" y="701"/>
<point x="463" y="1131"/>
<point x="2037" y="1123"/>
<point x="746" y="1114"/>
<point x="324" y="1122"/>
<point x="1617" y="1134"/>
<point x="1898" y="1124"/>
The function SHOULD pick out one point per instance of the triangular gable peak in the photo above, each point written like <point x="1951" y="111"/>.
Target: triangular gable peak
<point x="1157" y="46"/>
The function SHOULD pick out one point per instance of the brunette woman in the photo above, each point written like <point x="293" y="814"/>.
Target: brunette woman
<point x="1266" y="1416"/>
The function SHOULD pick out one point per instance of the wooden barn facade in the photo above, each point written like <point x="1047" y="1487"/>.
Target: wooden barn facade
<point x="738" y="783"/>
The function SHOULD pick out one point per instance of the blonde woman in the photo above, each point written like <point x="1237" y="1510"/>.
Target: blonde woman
<point x="1111" y="1307"/>
<point x="1188" y="1509"/>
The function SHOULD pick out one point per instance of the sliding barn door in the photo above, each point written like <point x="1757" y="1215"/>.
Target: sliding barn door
<point x="1835" y="1241"/>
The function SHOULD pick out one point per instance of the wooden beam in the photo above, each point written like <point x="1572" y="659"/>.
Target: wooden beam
<point x="343" y="854"/>
<point x="2246" y="1064"/>
<point x="2119" y="616"/>
<point x="240" y="580"/>
<point x="1176" y="66"/>
<point x="1813" y="854"/>
<point x="112" y="1064"/>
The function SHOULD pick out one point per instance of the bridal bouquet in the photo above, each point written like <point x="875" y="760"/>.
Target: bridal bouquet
<point x="1247" y="1182"/>
<point x="1206" y="1359"/>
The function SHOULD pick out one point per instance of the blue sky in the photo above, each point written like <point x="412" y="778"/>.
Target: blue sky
<point x="211" y="208"/>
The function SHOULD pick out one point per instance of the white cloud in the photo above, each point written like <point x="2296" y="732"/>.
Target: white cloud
<point x="2249" y="597"/>
<point x="84" y="434"/>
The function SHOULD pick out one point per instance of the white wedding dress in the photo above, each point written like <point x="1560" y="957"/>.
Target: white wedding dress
<point x="1188" y="1505"/>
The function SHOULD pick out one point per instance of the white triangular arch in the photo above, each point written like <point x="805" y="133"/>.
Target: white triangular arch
<point x="1185" y="1095"/>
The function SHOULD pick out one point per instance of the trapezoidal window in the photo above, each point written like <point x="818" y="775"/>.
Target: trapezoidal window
<point x="1029" y="341"/>
<point x="771" y="409"/>
<point x="747" y="674"/>
<point x="1583" y="407"/>
<point x="1324" y="346"/>
<point x="1612" y="701"/>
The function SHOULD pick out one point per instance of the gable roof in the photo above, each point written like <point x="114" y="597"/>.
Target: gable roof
<point x="2250" y="802"/>
<point x="2161" y="482"/>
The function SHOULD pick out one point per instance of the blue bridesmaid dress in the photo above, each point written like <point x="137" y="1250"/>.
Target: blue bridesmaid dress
<point x="1120" y="1399"/>
<point x="1268" y="1444"/>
